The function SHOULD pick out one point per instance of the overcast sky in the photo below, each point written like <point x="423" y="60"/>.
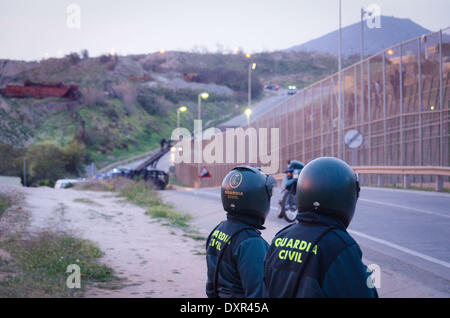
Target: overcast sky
<point x="32" y="29"/>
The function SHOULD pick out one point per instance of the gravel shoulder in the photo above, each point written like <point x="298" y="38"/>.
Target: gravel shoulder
<point x="151" y="258"/>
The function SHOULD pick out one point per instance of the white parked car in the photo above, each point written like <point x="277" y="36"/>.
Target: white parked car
<point x="64" y="183"/>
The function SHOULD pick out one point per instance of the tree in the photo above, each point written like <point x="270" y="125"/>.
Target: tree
<point x="73" y="157"/>
<point x="45" y="162"/>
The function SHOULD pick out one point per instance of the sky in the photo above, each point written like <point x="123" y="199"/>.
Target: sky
<point x="35" y="29"/>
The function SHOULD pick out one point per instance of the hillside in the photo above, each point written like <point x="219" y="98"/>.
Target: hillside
<point x="128" y="103"/>
<point x="393" y="31"/>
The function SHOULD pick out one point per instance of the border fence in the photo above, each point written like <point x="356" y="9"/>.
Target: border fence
<point x="398" y="100"/>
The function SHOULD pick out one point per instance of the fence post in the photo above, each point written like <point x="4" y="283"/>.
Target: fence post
<point x="288" y="150"/>
<point x="369" y="110"/>
<point x="295" y="128"/>
<point x="303" y="127"/>
<point x="321" y="120"/>
<point x="402" y="162"/>
<point x="406" y="181"/>
<point x="441" y="107"/>
<point x="419" y="44"/>
<point x="384" y="111"/>
<point x="439" y="183"/>
<point x="380" y="180"/>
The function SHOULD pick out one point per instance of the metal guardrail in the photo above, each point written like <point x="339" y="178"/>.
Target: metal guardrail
<point x="406" y="172"/>
<point x="128" y="160"/>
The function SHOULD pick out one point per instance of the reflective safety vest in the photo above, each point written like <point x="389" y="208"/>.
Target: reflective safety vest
<point x="315" y="259"/>
<point x="235" y="253"/>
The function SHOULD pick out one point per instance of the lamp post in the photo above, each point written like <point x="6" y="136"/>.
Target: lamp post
<point x="248" y="112"/>
<point x="199" y="134"/>
<point x="251" y="67"/>
<point x="181" y="109"/>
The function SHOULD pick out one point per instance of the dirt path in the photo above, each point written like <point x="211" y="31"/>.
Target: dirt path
<point x="152" y="258"/>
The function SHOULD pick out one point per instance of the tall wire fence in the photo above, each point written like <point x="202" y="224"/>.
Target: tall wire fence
<point x="398" y="100"/>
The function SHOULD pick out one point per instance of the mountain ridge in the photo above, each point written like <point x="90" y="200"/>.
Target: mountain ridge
<point x="392" y="31"/>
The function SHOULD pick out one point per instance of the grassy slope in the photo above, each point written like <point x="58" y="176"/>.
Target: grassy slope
<point x="127" y="133"/>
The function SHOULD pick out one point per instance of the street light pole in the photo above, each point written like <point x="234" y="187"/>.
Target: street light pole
<point x="203" y="95"/>
<point x="199" y="107"/>
<point x="249" y="85"/>
<point x="251" y="66"/>
<point x="181" y="109"/>
<point x="199" y="134"/>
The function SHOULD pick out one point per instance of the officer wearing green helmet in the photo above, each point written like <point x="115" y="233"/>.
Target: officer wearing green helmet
<point x="235" y="250"/>
<point x="316" y="257"/>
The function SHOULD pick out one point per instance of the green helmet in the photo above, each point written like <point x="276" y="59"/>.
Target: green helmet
<point x="247" y="191"/>
<point x="328" y="186"/>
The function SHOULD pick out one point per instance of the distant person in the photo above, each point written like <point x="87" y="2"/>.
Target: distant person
<point x="235" y="250"/>
<point x="316" y="257"/>
<point x="163" y="143"/>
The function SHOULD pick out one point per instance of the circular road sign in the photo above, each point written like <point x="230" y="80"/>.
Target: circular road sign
<point x="353" y="139"/>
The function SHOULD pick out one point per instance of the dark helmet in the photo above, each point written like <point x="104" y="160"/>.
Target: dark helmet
<point x="295" y="164"/>
<point x="247" y="191"/>
<point x="330" y="187"/>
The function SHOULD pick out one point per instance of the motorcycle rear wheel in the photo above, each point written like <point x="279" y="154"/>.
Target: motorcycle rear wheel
<point x="287" y="211"/>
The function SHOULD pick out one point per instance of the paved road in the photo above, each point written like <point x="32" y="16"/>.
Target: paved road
<point x="272" y="100"/>
<point x="406" y="233"/>
<point x="258" y="109"/>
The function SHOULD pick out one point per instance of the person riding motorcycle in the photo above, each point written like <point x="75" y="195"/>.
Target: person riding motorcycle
<point x="289" y="185"/>
<point x="235" y="250"/>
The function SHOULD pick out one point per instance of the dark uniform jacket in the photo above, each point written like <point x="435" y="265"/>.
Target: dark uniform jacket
<point x="240" y="272"/>
<point x="334" y="268"/>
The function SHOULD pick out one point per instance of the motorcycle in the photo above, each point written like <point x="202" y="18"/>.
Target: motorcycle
<point x="288" y="202"/>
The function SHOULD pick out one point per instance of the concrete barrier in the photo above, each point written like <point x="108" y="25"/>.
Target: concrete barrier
<point x="11" y="181"/>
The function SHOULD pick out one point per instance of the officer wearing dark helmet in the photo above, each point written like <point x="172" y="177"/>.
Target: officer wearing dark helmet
<point x="316" y="257"/>
<point x="235" y="250"/>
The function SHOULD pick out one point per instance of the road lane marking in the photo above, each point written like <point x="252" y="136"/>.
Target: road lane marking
<point x="401" y="248"/>
<point x="378" y="240"/>
<point x="404" y="207"/>
<point x="411" y="192"/>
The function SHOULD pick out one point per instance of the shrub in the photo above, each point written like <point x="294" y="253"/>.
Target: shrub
<point x="127" y="93"/>
<point x="47" y="162"/>
<point x="11" y="160"/>
<point x="92" y="96"/>
<point x="85" y="54"/>
<point x="74" y="58"/>
<point x="46" y="183"/>
<point x="4" y="203"/>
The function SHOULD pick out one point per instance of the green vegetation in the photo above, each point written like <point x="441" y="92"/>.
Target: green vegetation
<point x="46" y="162"/>
<point x="39" y="266"/>
<point x="4" y="203"/>
<point x="142" y="195"/>
<point x="128" y="105"/>
<point x="94" y="186"/>
<point x="86" y="201"/>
